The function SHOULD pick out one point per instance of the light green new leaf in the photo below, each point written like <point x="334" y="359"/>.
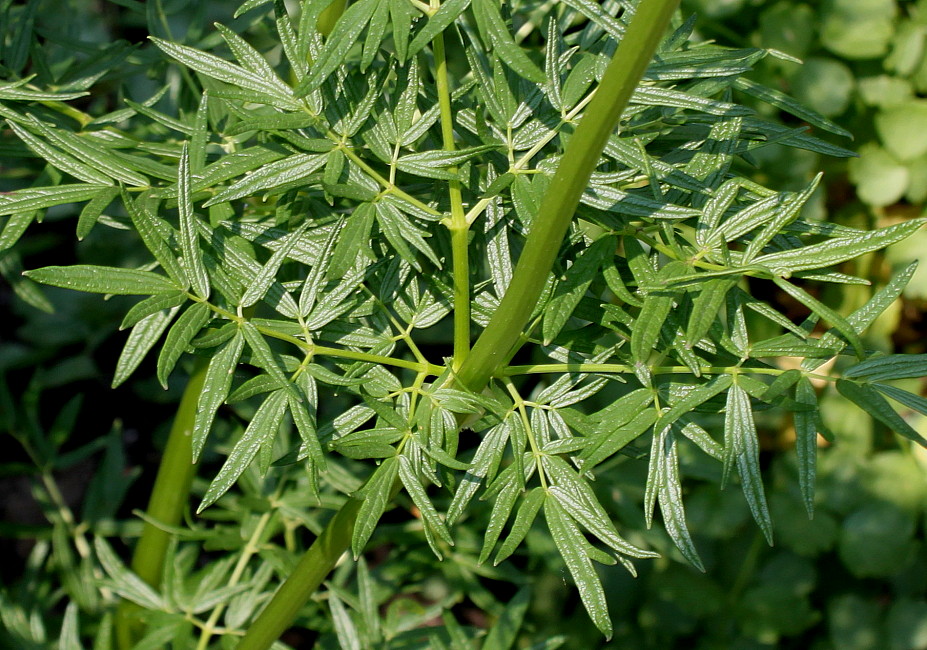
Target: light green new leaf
<point x="282" y="172"/>
<point x="141" y="339"/>
<point x="420" y="498"/>
<point x="497" y="36"/>
<point x="570" y="542"/>
<point x="572" y="286"/>
<point x="837" y="250"/>
<point x="37" y="198"/>
<point x="345" y="630"/>
<point x="742" y="447"/>
<point x="262" y="428"/>
<point x="215" y="389"/>
<point x="124" y="582"/>
<point x="70" y="629"/>
<point x="890" y="366"/>
<point x="504" y="633"/>
<point x="103" y="279"/>
<point x="443" y="18"/>
<point x="376" y="493"/>
<point x="265" y="90"/>
<point x="337" y="45"/>
<point x="868" y="399"/>
<point x="178" y="338"/>
<point x="189" y="237"/>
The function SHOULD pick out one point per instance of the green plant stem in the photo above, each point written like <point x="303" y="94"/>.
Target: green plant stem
<point x="457" y="224"/>
<point x="312" y="569"/>
<point x="566" y="187"/>
<point x="625" y="71"/>
<point x="167" y="502"/>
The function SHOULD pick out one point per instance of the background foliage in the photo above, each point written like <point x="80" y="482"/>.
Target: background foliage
<point x="852" y="578"/>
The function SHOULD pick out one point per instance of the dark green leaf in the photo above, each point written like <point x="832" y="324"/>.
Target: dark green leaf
<point x="868" y="399"/>
<point x="178" y="339"/>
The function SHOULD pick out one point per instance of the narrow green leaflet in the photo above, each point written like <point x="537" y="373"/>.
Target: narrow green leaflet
<point x="262" y="354"/>
<point x="782" y="101"/>
<point x="92" y="211"/>
<point x="864" y="316"/>
<point x="570" y="542"/>
<point x="573" y="285"/>
<point x="141" y="339"/>
<point x="806" y="442"/>
<point x="216" y="388"/>
<point x="742" y="447"/>
<point x="912" y="401"/>
<point x="816" y="306"/>
<point x="90" y="149"/>
<point x="37" y="198"/>
<point x="501" y="510"/>
<point x="867" y="398"/>
<point x="504" y="633"/>
<point x="377" y="492"/>
<point x="178" y="339"/>
<point x="443" y="18"/>
<point x="103" y="279"/>
<point x="890" y="366"/>
<point x="189" y="237"/>
<point x="657" y="306"/>
<point x="497" y="36"/>
<point x="420" y="498"/>
<point x="150" y="228"/>
<point x="261" y="283"/>
<point x="527" y="512"/>
<point x="263" y="427"/>
<point x="337" y="45"/>
<point x="124" y="582"/>
<point x="148" y="306"/>
<point x="434" y="164"/>
<point x="63" y="161"/>
<point x="212" y="66"/>
<point x="837" y="250"/>
<point x="705" y="307"/>
<point x="345" y="630"/>
<point x="276" y="174"/>
<point x="669" y="496"/>
<point x="614" y="438"/>
<point x="307" y="429"/>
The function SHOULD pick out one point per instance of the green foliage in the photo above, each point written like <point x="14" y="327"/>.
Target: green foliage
<point x="318" y="226"/>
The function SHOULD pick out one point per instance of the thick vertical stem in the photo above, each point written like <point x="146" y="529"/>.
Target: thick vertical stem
<point x="168" y="500"/>
<point x="457" y="224"/>
<point x="562" y="196"/>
